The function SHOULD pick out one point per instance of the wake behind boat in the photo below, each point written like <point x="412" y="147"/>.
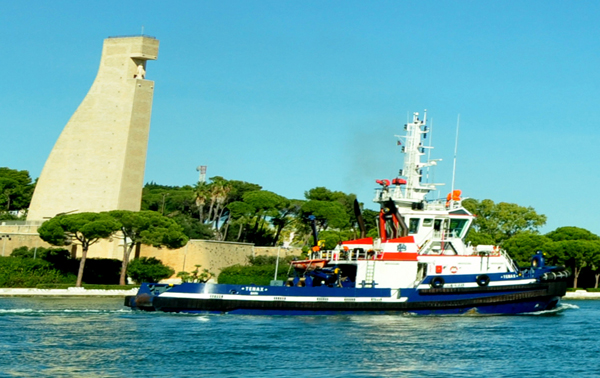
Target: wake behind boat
<point x="419" y="264"/>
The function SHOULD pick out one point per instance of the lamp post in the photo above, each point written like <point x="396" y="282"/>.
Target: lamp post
<point x="4" y="237"/>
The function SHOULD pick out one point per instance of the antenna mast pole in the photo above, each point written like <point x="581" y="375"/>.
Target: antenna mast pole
<point x="429" y="171"/>
<point x="455" y="151"/>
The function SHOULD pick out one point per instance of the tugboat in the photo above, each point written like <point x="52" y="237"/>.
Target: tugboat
<point x="419" y="264"/>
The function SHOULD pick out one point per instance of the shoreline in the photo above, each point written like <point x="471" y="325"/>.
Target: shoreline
<point x="70" y="292"/>
<point x="581" y="294"/>
<point x="82" y="292"/>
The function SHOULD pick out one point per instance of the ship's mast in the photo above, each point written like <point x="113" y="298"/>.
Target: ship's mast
<point x="412" y="189"/>
<point x="414" y="150"/>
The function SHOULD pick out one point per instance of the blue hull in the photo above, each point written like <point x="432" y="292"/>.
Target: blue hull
<point x="277" y="300"/>
<point x="506" y="309"/>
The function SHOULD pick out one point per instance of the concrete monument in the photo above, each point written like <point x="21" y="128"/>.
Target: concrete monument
<point x="98" y="162"/>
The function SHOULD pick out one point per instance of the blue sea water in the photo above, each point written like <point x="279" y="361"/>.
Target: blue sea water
<point x="98" y="337"/>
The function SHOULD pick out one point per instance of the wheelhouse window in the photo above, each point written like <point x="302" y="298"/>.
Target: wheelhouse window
<point x="427" y="222"/>
<point x="413" y="226"/>
<point x="442" y="248"/>
<point x="457" y="226"/>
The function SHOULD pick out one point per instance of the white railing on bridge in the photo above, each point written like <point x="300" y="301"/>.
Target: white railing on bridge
<point x="347" y="255"/>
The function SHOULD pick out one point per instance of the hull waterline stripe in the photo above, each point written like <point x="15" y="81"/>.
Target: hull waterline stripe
<point x="474" y="284"/>
<point x="277" y="298"/>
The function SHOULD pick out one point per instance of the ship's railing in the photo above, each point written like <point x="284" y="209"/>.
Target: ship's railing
<point x="394" y="194"/>
<point x="509" y="260"/>
<point x="347" y="255"/>
<point x="383" y="194"/>
<point x="441" y="235"/>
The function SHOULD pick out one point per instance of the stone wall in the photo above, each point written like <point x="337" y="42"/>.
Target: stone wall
<point x="272" y="251"/>
<point x="211" y="255"/>
<point x="14" y="236"/>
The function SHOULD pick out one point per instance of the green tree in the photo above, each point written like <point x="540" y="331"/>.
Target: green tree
<point x="240" y="188"/>
<point x="285" y="217"/>
<point x="346" y="200"/>
<point x="371" y="218"/>
<point x="571" y="233"/>
<point x="84" y="229"/>
<point x="148" y="269"/>
<point x="503" y="220"/>
<point x="194" y="229"/>
<point x="16" y="189"/>
<point x="219" y="189"/>
<point x="146" y="227"/>
<point x="333" y="237"/>
<point x="203" y="210"/>
<point x="240" y="214"/>
<point x="595" y="266"/>
<point x="169" y="200"/>
<point x="521" y="247"/>
<point x="575" y="247"/>
<point x="266" y="205"/>
<point x="327" y="214"/>
<point x="202" y="191"/>
<point x="335" y="210"/>
<point x="577" y="254"/>
<point x="479" y="238"/>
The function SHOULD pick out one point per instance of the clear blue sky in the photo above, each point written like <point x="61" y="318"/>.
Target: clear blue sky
<point x="297" y="94"/>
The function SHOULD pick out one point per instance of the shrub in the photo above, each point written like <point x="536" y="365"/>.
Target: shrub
<point x="260" y="271"/>
<point x="247" y="275"/>
<point x="52" y="255"/>
<point x="23" y="272"/>
<point x="333" y="238"/>
<point x="262" y="260"/>
<point x="148" y="269"/>
<point x="97" y="271"/>
<point x="87" y="286"/>
<point x="196" y="275"/>
<point x="101" y="271"/>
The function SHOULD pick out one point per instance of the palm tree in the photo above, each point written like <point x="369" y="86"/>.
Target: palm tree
<point x="221" y="200"/>
<point x="218" y="192"/>
<point x="202" y="191"/>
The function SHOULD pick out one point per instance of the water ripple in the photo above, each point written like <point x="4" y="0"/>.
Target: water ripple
<point x="99" y="337"/>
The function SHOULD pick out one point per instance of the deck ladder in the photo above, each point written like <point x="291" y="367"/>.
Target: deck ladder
<point x="370" y="273"/>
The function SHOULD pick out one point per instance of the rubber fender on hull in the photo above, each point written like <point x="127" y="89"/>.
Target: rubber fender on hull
<point x="437" y="282"/>
<point x="483" y="280"/>
<point x="552" y="276"/>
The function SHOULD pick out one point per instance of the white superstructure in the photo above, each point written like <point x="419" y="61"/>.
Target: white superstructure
<point x="417" y="236"/>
